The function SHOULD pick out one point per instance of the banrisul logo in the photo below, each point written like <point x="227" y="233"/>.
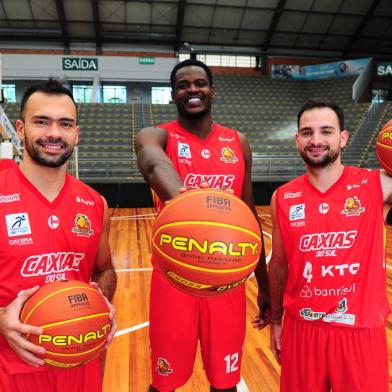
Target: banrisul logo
<point x="80" y="64"/>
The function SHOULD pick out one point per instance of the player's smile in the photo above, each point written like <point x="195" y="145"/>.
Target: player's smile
<point x="52" y="146"/>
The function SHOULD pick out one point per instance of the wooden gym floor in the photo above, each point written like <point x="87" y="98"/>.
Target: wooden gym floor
<point x="128" y="363"/>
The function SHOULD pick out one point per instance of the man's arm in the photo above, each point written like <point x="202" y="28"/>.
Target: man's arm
<point x="153" y="163"/>
<point x="261" y="269"/>
<point x="104" y="274"/>
<point x="278" y="271"/>
<point x="105" y="277"/>
<point x="15" y="332"/>
<point x="386" y="184"/>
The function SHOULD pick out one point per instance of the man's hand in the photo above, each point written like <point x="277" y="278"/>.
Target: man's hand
<point x="264" y="317"/>
<point x="14" y="331"/>
<point x="275" y="339"/>
<point x="112" y="316"/>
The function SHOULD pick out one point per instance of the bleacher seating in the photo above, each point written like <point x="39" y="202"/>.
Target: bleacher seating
<point x="263" y="109"/>
<point x="106" y="140"/>
<point x="371" y="159"/>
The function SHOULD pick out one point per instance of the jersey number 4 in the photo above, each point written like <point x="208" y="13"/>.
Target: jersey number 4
<point x="231" y="363"/>
<point x="307" y="274"/>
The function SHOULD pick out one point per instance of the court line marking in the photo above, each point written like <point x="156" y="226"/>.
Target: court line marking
<point x="241" y="386"/>
<point x="134" y="269"/>
<point x="153" y="216"/>
<point x="127" y="218"/>
<point x="132" y="329"/>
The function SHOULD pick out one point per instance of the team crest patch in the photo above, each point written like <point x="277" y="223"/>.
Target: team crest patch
<point x="228" y="155"/>
<point x="340" y="316"/>
<point x="82" y="226"/>
<point x="342" y="306"/>
<point x="352" y="207"/>
<point x="163" y="367"/>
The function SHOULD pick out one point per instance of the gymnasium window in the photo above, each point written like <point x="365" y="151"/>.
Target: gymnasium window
<point x="82" y="94"/>
<point x="161" y="95"/>
<point x="184" y="56"/>
<point x="9" y="92"/>
<point x="223" y="60"/>
<point x="114" y="94"/>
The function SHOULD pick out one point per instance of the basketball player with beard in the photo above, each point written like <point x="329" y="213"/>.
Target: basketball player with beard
<point x="327" y="272"/>
<point x="189" y="152"/>
<point x="41" y="240"/>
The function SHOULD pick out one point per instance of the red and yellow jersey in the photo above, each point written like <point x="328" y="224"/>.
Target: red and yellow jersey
<point x="218" y="160"/>
<point x="42" y="241"/>
<point x="335" y="246"/>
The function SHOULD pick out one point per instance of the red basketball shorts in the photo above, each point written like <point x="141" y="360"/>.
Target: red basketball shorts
<point x="179" y="320"/>
<point x="318" y="359"/>
<point x="85" y="378"/>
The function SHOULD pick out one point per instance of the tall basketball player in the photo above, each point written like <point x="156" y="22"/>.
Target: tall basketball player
<point x="41" y="240"/>
<point x="327" y="270"/>
<point x="188" y="152"/>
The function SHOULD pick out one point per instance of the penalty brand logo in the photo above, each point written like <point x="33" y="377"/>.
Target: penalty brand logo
<point x="9" y="198"/>
<point x="208" y="247"/>
<point x="69" y="340"/>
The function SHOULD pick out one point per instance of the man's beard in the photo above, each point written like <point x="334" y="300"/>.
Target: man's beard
<point x="326" y="160"/>
<point x="54" y="161"/>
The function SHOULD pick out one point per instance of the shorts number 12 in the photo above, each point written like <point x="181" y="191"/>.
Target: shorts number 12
<point x="231" y="363"/>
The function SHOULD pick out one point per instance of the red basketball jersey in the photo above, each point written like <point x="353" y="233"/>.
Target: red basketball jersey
<point x="218" y="160"/>
<point x="335" y="246"/>
<point x="42" y="241"/>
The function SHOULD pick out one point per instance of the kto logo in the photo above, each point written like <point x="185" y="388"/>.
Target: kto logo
<point x="330" y="270"/>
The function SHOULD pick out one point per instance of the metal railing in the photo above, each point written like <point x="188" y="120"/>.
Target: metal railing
<point x="265" y="168"/>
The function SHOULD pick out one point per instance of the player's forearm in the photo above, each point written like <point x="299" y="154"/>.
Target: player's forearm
<point x="277" y="283"/>
<point x="107" y="282"/>
<point x="163" y="178"/>
<point x="263" y="298"/>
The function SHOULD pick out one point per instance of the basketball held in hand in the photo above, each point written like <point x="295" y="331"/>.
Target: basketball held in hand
<point x="206" y="242"/>
<point x="75" y="320"/>
<point x="384" y="147"/>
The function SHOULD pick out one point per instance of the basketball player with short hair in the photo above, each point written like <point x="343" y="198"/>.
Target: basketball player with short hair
<point x="42" y="240"/>
<point x="327" y="272"/>
<point x="189" y="152"/>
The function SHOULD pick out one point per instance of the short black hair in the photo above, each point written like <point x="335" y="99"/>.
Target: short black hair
<point x="51" y="86"/>
<point x="319" y="104"/>
<point x="189" y="63"/>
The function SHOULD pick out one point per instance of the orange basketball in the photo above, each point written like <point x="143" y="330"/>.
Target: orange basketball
<point x="384" y="147"/>
<point x="206" y="242"/>
<point x="75" y="320"/>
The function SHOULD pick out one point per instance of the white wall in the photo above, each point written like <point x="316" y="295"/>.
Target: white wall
<point x="110" y="68"/>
